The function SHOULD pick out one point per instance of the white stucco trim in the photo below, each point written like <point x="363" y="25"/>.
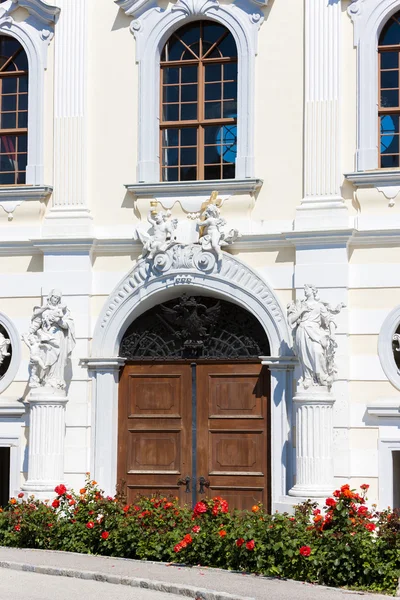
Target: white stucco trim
<point x="385" y="460"/>
<point x="385" y="353"/>
<point x="34" y="34"/>
<point x="369" y="17"/>
<point x="16" y="356"/>
<point x="152" y="26"/>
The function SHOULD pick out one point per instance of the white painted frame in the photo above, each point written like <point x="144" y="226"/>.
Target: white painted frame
<point x="151" y="29"/>
<point x="142" y="289"/>
<point x="369" y="17"/>
<point x="386" y="447"/>
<point x="16" y="356"/>
<point x="385" y="353"/>
<point x="13" y="443"/>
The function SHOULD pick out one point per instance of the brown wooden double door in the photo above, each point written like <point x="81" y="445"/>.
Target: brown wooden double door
<point x="193" y="420"/>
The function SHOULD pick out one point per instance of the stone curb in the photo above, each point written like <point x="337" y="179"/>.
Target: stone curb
<point x="157" y="586"/>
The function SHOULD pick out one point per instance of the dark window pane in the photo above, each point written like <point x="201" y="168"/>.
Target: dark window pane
<point x="21" y="178"/>
<point x="193" y="53"/>
<point x="188" y="93"/>
<point x="23" y="84"/>
<point x="212" y="172"/>
<point x="389" y="60"/>
<point x="22" y="158"/>
<point x="228" y="172"/>
<point x="7" y="162"/>
<point x="21" y="61"/>
<point x="8" y="121"/>
<point x="215" y="53"/>
<point x="228" y="46"/>
<point x="213" y="72"/>
<point x="390" y="34"/>
<point x="212" y="155"/>
<point x="22" y="143"/>
<point x="230" y="109"/>
<point x="170" y="137"/>
<point x="189" y="156"/>
<point x="388" y="162"/>
<point x="171" y="74"/>
<point x="212" y="110"/>
<point x="188" y="136"/>
<point x="389" y="144"/>
<point x="171" y="112"/>
<point x="229" y="148"/>
<point x="8" y="46"/>
<point x="212" y="135"/>
<point x="7" y="178"/>
<point x="189" y="33"/>
<point x="189" y="74"/>
<point x="9" y="103"/>
<point x="212" y="32"/>
<point x="230" y="71"/>
<point x="389" y="79"/>
<point x="22" y="120"/>
<point x="170" y="157"/>
<point x="188" y="173"/>
<point x="189" y="112"/>
<point x="174" y="49"/>
<point x="389" y="98"/>
<point x="7" y="145"/>
<point x="170" y="174"/>
<point x="171" y="93"/>
<point x="23" y="101"/>
<point x="213" y="91"/>
<point x="9" y="85"/>
<point x="230" y="90"/>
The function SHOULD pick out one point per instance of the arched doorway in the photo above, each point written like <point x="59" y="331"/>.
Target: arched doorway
<point x="194" y="403"/>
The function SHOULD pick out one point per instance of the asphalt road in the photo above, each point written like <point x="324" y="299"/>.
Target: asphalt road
<point x="18" y="585"/>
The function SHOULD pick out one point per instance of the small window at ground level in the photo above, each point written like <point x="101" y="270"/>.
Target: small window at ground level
<point x="199" y="103"/>
<point x="396" y="479"/>
<point x="4" y="475"/>
<point x="13" y="111"/>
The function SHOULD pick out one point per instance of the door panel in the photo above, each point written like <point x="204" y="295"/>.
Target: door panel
<point x="154" y="442"/>
<point x="232" y="434"/>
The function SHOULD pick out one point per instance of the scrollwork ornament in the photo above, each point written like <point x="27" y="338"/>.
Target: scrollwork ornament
<point x="195" y="7"/>
<point x="162" y="262"/>
<point x="205" y="261"/>
<point x="355" y="8"/>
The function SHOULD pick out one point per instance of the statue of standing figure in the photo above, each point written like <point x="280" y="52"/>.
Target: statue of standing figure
<point x="50" y="339"/>
<point x="314" y="337"/>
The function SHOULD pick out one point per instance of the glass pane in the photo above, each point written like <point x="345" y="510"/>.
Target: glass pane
<point x="388" y="162"/>
<point x="228" y="172"/>
<point x="171" y="112"/>
<point x="9" y="85"/>
<point x="7" y="145"/>
<point x="188" y="136"/>
<point x="188" y="173"/>
<point x="189" y="156"/>
<point x="212" y="172"/>
<point x="212" y="155"/>
<point x="190" y="33"/>
<point x="188" y="93"/>
<point x="170" y="157"/>
<point x="389" y="144"/>
<point x="23" y="120"/>
<point x="8" y="120"/>
<point x="170" y="174"/>
<point x="193" y="53"/>
<point x="213" y="91"/>
<point x="22" y="141"/>
<point x="230" y="109"/>
<point x="211" y="134"/>
<point x="7" y="162"/>
<point x="229" y="139"/>
<point x="174" y="49"/>
<point x="170" y="137"/>
<point x="213" y="72"/>
<point x="391" y="33"/>
<point x="7" y="178"/>
<point x="230" y="71"/>
<point x="21" y="177"/>
<point x="22" y="162"/>
<point x="188" y="112"/>
<point x="8" y="46"/>
<point x="23" y="84"/>
<point x="170" y="93"/>
<point x="21" y="61"/>
<point x="188" y="74"/>
<point x="389" y="98"/>
<point x="23" y="101"/>
<point x="212" y="32"/>
<point x="389" y="124"/>
<point x="171" y="74"/>
<point x="212" y="110"/>
<point x="228" y="46"/>
<point x="389" y="60"/>
<point x="230" y="89"/>
<point x="9" y="103"/>
<point x="389" y="79"/>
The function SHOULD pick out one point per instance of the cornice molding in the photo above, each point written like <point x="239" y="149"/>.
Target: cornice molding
<point x="376" y="178"/>
<point x="134" y="8"/>
<point x="13" y="196"/>
<point x="385" y="408"/>
<point x="248" y="185"/>
<point x="11" y="408"/>
<point x="41" y="10"/>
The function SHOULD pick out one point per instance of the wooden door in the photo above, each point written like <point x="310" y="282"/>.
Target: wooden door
<point x="233" y="432"/>
<point x="154" y="440"/>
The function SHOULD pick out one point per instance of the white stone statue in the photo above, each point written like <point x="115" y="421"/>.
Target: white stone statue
<point x="161" y="234"/>
<point x="4" y="344"/>
<point x="212" y="235"/>
<point x="51" y="339"/>
<point x="314" y="337"/>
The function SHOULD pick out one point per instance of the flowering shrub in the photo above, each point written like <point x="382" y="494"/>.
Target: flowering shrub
<point x="345" y="544"/>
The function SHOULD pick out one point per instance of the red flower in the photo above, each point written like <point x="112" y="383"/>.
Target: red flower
<point x="222" y="533"/>
<point x="21" y="495"/>
<point x="196" y="529"/>
<point x="362" y="510"/>
<point x="126" y="508"/>
<point x="239" y="542"/>
<point x="177" y="548"/>
<point x="168" y="505"/>
<point x="330" y="502"/>
<point x="188" y="538"/>
<point x="224" y="506"/>
<point x="250" y="545"/>
<point x="105" y="535"/>
<point x="199" y="509"/>
<point x="72" y="502"/>
<point x="345" y="487"/>
<point x="370" y="526"/>
<point x="316" y="512"/>
<point x="364" y="486"/>
<point x="60" y="489"/>
<point x="336" y="493"/>
<point x="90" y="525"/>
<point x="305" y="551"/>
<point x="68" y="496"/>
<point x="55" y="503"/>
<point x="17" y="527"/>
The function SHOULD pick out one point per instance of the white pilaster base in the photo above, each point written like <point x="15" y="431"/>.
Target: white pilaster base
<point x="321" y="213"/>
<point x="67" y="221"/>
<point x="46" y="441"/>
<point x="314" y="443"/>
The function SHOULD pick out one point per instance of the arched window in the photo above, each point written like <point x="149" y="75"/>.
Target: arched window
<point x="13" y="111"/>
<point x="389" y="101"/>
<point x="198" y="137"/>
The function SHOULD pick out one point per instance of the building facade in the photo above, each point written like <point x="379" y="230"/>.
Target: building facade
<point x="180" y="172"/>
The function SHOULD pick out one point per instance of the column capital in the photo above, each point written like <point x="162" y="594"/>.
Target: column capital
<point x="105" y="364"/>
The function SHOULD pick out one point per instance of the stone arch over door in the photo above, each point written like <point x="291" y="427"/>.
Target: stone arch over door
<point x="186" y="268"/>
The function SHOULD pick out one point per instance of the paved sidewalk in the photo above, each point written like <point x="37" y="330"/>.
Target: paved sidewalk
<point x="195" y="582"/>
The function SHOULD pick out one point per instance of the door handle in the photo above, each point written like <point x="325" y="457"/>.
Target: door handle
<point x="203" y="483"/>
<point x="185" y="481"/>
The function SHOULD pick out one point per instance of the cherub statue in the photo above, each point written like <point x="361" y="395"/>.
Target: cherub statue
<point x="212" y="236"/>
<point x="161" y="234"/>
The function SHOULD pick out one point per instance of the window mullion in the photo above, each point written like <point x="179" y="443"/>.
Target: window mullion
<point x="200" y="135"/>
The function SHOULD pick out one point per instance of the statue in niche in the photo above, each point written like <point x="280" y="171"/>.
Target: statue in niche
<point x="212" y="236"/>
<point x="314" y="337"/>
<point x="50" y="339"/>
<point x="160" y="235"/>
<point x="4" y="344"/>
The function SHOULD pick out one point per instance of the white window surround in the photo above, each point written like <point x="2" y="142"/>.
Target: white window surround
<point x="13" y="443"/>
<point x="385" y="461"/>
<point x="385" y="352"/>
<point x="369" y="17"/>
<point x="34" y="34"/>
<point x="152" y="26"/>
<point x="15" y="362"/>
